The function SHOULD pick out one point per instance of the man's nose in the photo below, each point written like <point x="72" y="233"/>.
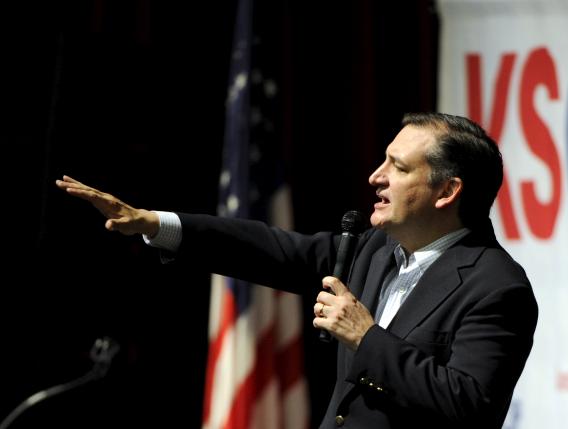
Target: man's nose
<point x="377" y="177"/>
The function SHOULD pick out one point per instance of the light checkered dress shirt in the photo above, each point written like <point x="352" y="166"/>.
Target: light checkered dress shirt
<point x="409" y="268"/>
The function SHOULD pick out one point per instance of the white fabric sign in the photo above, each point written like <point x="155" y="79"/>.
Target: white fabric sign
<point x="504" y="63"/>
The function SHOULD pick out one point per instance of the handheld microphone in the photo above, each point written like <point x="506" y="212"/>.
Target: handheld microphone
<point x="353" y="224"/>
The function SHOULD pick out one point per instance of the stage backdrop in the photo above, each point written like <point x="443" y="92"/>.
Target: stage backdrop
<point x="504" y="63"/>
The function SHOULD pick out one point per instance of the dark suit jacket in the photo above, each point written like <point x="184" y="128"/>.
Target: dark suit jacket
<point x="449" y="359"/>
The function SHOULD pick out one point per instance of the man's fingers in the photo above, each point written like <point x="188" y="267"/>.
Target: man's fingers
<point x="70" y="183"/>
<point x="86" y="194"/>
<point x="318" y="309"/>
<point x="70" y="180"/>
<point x="334" y="285"/>
<point x="120" y="225"/>
<point x="326" y="298"/>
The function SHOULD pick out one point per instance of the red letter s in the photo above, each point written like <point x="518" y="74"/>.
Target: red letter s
<point x="539" y="70"/>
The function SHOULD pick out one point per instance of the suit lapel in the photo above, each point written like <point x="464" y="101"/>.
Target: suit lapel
<point x="439" y="281"/>
<point x="381" y="262"/>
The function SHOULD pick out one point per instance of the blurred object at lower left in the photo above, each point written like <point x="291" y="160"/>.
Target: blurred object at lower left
<point x="102" y="353"/>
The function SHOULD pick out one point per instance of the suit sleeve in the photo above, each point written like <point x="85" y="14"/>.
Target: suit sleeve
<point x="252" y="251"/>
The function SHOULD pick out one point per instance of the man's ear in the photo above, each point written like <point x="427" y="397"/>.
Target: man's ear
<point x="450" y="191"/>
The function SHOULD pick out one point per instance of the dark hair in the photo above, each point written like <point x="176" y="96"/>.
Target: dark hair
<point x="463" y="150"/>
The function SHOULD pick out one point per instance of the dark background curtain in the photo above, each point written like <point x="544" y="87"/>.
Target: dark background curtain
<point x="129" y="97"/>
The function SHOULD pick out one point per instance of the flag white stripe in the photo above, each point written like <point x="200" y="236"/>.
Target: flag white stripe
<point x="289" y="322"/>
<point x="295" y="406"/>
<point x="218" y="285"/>
<point x="266" y="411"/>
<point x="263" y="309"/>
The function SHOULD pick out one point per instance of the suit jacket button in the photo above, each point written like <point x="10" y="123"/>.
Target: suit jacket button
<point x="339" y="420"/>
<point x="364" y="381"/>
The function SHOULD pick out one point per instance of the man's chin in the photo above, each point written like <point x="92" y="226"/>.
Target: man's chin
<point x="378" y="222"/>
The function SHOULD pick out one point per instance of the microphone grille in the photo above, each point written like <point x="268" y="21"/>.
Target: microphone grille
<point x="354" y="222"/>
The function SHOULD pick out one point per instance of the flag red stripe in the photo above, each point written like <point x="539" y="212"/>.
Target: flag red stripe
<point x="228" y="314"/>
<point x="257" y="380"/>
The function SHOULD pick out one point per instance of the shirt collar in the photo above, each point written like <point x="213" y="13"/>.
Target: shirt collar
<point x="426" y="255"/>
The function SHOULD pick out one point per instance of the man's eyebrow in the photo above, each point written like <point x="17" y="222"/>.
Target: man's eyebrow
<point x="395" y="159"/>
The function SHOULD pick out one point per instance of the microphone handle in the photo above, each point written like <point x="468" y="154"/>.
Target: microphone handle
<point x="342" y="268"/>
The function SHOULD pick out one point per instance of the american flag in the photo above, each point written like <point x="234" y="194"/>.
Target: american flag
<point x="254" y="375"/>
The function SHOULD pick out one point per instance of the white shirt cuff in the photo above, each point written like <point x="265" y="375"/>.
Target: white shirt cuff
<point x="170" y="233"/>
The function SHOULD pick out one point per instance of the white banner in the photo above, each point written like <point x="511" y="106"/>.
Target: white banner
<point x="504" y="63"/>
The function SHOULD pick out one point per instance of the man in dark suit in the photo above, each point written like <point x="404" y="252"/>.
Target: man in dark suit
<point x="438" y="320"/>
